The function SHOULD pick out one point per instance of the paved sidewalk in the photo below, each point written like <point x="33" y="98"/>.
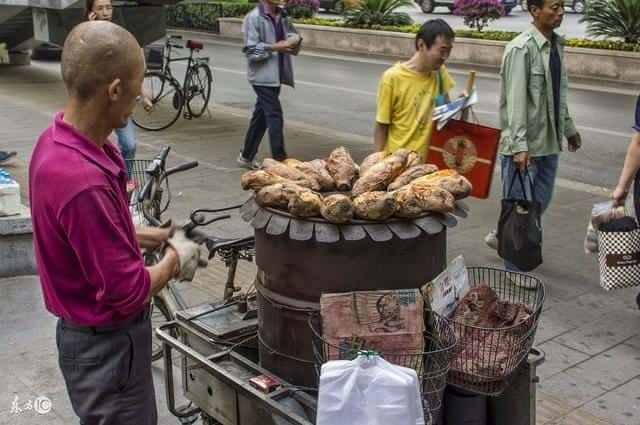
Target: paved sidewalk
<point x="591" y="338"/>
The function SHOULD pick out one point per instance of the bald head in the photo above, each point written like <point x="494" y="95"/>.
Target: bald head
<point x="96" y="53"/>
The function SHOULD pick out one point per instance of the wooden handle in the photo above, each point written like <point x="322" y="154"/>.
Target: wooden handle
<point x="470" y="82"/>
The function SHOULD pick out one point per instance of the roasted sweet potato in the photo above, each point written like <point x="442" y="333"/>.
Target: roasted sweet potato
<point x="278" y="195"/>
<point x="379" y="205"/>
<point x="370" y="161"/>
<point x="342" y="168"/>
<point x="411" y="174"/>
<point x="257" y="179"/>
<point x="305" y="204"/>
<point x="449" y="180"/>
<point x="290" y="173"/>
<point x="380" y="175"/>
<point x="337" y="209"/>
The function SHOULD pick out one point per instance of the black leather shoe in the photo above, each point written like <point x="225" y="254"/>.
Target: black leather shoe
<point x="6" y="156"/>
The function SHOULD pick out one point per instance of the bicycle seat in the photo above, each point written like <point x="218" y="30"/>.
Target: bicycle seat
<point x="215" y="244"/>
<point x="194" y="45"/>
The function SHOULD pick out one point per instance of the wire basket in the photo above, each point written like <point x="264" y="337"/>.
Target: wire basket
<point x="431" y="364"/>
<point x="154" y="56"/>
<point x="139" y="178"/>
<point x="486" y="358"/>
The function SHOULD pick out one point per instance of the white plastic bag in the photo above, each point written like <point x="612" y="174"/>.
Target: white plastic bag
<point x="368" y="391"/>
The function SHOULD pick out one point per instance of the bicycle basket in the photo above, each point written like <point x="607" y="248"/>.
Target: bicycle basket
<point x="431" y="364"/>
<point x="154" y="56"/>
<point x="486" y="358"/>
<point x="138" y="178"/>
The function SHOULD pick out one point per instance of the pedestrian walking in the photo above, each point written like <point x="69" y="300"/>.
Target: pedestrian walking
<point x="269" y="41"/>
<point x="92" y="273"/>
<point x="409" y="91"/>
<point x="102" y="10"/>
<point x="534" y="117"/>
<point x="630" y="174"/>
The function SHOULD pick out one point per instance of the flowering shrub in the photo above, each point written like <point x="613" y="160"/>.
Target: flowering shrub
<point x="478" y="13"/>
<point x="302" y="8"/>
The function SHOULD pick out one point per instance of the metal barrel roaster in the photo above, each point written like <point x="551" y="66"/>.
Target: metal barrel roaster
<point x="299" y="259"/>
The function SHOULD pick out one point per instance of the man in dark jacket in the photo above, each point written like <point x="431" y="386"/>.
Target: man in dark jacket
<point x="269" y="40"/>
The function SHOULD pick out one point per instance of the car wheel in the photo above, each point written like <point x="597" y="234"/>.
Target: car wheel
<point x="507" y="10"/>
<point x="579" y="6"/>
<point x="338" y="7"/>
<point x="427" y="6"/>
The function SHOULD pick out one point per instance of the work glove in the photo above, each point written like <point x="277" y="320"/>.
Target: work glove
<point x="188" y="254"/>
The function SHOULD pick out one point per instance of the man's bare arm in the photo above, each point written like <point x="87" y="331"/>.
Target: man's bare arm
<point x="380" y="134"/>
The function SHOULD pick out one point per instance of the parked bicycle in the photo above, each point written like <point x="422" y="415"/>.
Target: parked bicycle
<point x="150" y="201"/>
<point x="168" y="97"/>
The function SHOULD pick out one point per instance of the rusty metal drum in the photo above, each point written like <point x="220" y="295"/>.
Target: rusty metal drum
<point x="299" y="259"/>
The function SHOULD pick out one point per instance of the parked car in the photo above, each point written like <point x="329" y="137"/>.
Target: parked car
<point x="46" y="51"/>
<point x="577" y="6"/>
<point x="335" y="6"/>
<point x="427" y="6"/>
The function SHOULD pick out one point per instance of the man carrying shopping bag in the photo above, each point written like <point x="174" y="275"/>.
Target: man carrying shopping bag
<point x="534" y="116"/>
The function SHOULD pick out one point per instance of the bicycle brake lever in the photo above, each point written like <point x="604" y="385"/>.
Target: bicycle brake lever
<point x="198" y="218"/>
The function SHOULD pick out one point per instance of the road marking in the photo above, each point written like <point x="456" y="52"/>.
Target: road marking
<point x="372" y="94"/>
<point x="213" y="39"/>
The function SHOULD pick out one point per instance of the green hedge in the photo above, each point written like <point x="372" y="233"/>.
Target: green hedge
<point x="484" y="35"/>
<point x="205" y="16"/>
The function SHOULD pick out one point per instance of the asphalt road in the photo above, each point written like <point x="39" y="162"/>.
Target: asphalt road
<point x="339" y="94"/>
<point x="518" y="20"/>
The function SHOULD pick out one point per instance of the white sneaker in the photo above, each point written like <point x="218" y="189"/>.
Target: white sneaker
<point x="245" y="163"/>
<point x="492" y="240"/>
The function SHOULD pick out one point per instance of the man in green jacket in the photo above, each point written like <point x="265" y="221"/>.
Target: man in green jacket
<point x="534" y="117"/>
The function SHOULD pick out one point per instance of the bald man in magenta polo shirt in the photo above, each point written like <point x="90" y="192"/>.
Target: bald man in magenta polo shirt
<point x="91" y="269"/>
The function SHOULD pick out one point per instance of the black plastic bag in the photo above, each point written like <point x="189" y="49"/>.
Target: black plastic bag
<point x="520" y="228"/>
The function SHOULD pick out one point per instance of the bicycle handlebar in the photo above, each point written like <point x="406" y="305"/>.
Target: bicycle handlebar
<point x="157" y="172"/>
<point x="182" y="167"/>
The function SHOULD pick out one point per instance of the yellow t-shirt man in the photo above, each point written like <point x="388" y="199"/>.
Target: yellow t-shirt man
<point x="406" y="100"/>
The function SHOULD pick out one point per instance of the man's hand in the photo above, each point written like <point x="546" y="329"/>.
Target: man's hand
<point x="282" y="47"/>
<point x="521" y="159"/>
<point x="152" y="237"/>
<point x="188" y="254"/>
<point x="619" y="196"/>
<point x="575" y="142"/>
<point x="92" y="16"/>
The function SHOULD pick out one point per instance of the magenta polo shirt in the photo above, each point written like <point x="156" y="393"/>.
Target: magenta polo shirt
<point x="90" y="265"/>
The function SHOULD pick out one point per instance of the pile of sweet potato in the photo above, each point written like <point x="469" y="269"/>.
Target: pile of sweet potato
<point x="383" y="186"/>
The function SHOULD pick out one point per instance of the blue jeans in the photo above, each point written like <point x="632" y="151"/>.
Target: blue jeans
<point x="127" y="142"/>
<point x="542" y="170"/>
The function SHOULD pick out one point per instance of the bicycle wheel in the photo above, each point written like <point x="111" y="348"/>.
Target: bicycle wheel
<point x="166" y="97"/>
<point x="198" y="89"/>
<point x="159" y="316"/>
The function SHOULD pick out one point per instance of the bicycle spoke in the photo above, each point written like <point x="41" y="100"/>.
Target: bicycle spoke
<point x="199" y="89"/>
<point x="166" y="100"/>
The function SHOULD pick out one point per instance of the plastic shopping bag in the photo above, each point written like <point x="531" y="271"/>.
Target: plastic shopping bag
<point x="602" y="212"/>
<point x="368" y="391"/>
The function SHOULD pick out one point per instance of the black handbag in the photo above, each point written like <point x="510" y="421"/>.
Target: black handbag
<point x="520" y="227"/>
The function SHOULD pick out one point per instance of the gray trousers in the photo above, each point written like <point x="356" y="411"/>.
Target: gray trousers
<point x="108" y="372"/>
